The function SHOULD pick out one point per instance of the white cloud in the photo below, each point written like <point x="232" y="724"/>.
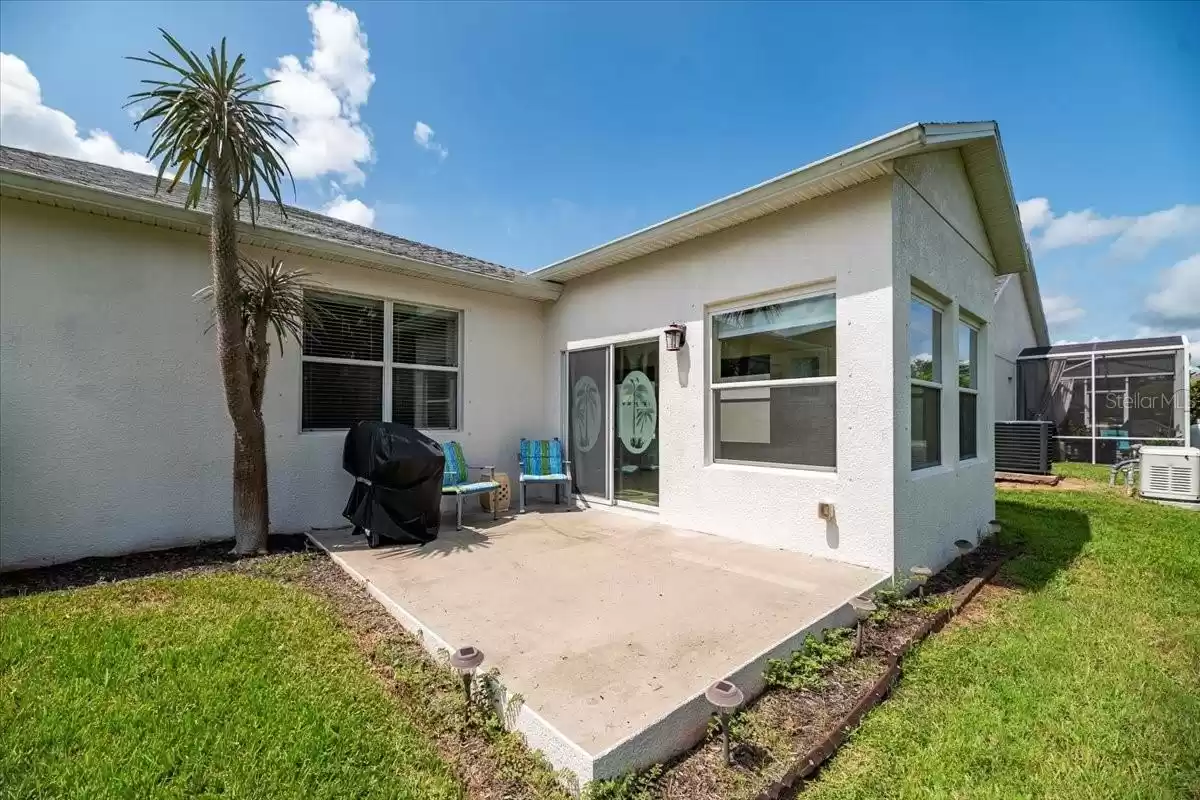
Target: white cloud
<point x="25" y="122"/>
<point x="322" y="97"/>
<point x="1176" y="304"/>
<point x="1144" y="232"/>
<point x="423" y="136"/>
<point x="1061" y="309"/>
<point x="350" y="210"/>
<point x="1134" y="236"/>
<point x="1035" y="213"/>
<point x="1174" y="307"/>
<point x="1079" y="227"/>
<point x="1057" y="342"/>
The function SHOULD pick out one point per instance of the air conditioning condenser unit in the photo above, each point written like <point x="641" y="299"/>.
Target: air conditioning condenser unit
<point x="1171" y="473"/>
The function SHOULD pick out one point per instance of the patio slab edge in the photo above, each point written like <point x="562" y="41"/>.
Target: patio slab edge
<point x="673" y="733"/>
<point x="680" y="729"/>
<point x="560" y="751"/>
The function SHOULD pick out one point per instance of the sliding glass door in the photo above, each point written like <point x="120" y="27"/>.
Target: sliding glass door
<point x="635" y="445"/>
<point x="587" y="423"/>
<point x="612" y="422"/>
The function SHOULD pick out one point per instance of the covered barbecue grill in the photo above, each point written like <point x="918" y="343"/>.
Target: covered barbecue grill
<point x="397" y="490"/>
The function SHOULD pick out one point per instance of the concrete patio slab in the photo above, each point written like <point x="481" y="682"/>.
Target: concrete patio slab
<point x="609" y="626"/>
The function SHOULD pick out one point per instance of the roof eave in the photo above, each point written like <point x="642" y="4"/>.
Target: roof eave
<point x="840" y="170"/>
<point x="37" y="188"/>
<point x="888" y="146"/>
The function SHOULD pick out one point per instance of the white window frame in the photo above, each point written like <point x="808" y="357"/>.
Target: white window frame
<point x="938" y="359"/>
<point x="965" y="321"/>
<point x="715" y="388"/>
<point x="388" y="365"/>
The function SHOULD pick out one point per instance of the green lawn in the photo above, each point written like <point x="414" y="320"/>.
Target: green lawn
<point x="1097" y="473"/>
<point x="218" y="685"/>
<point x="1082" y="682"/>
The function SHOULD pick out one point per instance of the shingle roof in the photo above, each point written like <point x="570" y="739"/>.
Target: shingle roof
<point x="1087" y="348"/>
<point x="298" y="220"/>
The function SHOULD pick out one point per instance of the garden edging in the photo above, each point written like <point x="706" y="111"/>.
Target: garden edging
<point x="811" y="761"/>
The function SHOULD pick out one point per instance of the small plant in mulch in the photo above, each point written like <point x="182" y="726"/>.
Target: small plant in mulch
<point x="805" y="668"/>
<point x="634" y="786"/>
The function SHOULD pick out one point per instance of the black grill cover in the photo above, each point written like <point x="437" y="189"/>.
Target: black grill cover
<point x="403" y="500"/>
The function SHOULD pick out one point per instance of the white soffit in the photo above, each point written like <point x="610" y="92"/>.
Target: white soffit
<point x="982" y="155"/>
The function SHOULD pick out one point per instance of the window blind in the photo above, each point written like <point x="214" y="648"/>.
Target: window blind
<point x="426" y="336"/>
<point x="347" y="366"/>
<point x="343" y="327"/>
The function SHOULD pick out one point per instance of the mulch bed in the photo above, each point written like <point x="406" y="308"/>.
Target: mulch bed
<point x="176" y="562"/>
<point x="1022" y="477"/>
<point x="786" y="735"/>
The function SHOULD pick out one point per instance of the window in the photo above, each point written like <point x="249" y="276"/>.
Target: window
<point x="425" y="371"/>
<point x="354" y="370"/>
<point x="774" y="383"/>
<point x="968" y="391"/>
<point x="925" y="377"/>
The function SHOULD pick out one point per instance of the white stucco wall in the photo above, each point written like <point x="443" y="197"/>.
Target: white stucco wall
<point x="113" y="433"/>
<point x="1013" y="333"/>
<point x="842" y="241"/>
<point x="940" y="243"/>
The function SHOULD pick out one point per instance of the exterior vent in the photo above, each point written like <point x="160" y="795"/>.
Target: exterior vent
<point x="1024" y="447"/>
<point x="1171" y="473"/>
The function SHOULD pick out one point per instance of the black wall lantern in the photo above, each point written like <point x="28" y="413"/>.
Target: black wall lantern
<point x="676" y="335"/>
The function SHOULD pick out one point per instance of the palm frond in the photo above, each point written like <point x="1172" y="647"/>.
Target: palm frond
<point x="269" y="291"/>
<point x="206" y="110"/>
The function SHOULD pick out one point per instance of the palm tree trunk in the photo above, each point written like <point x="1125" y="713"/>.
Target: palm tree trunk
<point x="250" y="510"/>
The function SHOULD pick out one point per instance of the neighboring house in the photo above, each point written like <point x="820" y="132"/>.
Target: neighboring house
<point x="1019" y="323"/>
<point x="841" y="325"/>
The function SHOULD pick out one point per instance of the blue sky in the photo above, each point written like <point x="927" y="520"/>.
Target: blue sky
<point x="546" y="129"/>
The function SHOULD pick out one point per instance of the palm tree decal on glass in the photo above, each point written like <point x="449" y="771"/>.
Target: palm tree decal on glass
<point x="585" y="403"/>
<point x="639" y="412"/>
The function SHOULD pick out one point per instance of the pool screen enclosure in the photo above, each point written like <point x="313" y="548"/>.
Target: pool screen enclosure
<point x="1106" y="397"/>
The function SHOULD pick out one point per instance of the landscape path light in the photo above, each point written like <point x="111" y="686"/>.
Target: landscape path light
<point x="863" y="609"/>
<point x="726" y="698"/>
<point x="465" y="661"/>
<point x="921" y="575"/>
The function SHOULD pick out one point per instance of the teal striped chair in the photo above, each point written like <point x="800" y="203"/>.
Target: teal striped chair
<point x="541" y="461"/>
<point x="456" y="481"/>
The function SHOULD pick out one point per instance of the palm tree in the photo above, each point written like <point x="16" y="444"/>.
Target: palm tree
<point x="210" y="127"/>
<point x="272" y="301"/>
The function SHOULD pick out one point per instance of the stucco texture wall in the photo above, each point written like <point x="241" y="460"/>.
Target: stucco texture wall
<point x="841" y="242"/>
<point x="1013" y="332"/>
<point x="113" y="431"/>
<point x="940" y="244"/>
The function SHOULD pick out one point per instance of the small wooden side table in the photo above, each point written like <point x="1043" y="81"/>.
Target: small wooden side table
<point x="503" y="495"/>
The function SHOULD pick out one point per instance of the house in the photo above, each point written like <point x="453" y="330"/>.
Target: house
<point x="1020" y="323"/>
<point x="834" y="392"/>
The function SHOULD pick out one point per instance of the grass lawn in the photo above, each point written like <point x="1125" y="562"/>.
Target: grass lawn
<point x="1079" y="676"/>
<point x="1096" y="473"/>
<point x="227" y="684"/>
